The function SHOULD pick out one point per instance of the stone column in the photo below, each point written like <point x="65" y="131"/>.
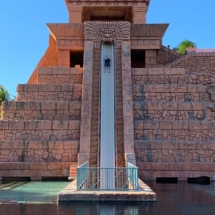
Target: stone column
<point x="75" y="14"/>
<point x="139" y="14"/>
<point x="64" y="58"/>
<point x="127" y="103"/>
<point x="85" y="131"/>
<point x="150" y="58"/>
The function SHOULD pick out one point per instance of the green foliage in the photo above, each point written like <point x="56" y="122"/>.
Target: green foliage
<point x="4" y="96"/>
<point x="181" y="48"/>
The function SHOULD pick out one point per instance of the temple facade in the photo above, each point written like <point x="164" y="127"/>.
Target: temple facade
<point x="108" y="92"/>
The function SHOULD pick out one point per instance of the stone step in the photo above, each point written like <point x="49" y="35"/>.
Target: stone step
<point x="73" y="171"/>
<point x="39" y="151"/>
<point x="192" y="130"/>
<point x="158" y="75"/>
<point x="170" y="92"/>
<point x="35" y="170"/>
<point x="39" y="130"/>
<point x="168" y="88"/>
<point x="163" y="151"/>
<point x="49" y="92"/>
<point x="60" y="75"/>
<point x="171" y="110"/>
<point x="170" y="75"/>
<point x="16" y="110"/>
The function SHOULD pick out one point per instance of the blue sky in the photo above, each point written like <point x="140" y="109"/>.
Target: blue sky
<point x="24" y="35"/>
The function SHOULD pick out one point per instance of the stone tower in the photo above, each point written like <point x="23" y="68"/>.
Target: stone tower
<point x="162" y="102"/>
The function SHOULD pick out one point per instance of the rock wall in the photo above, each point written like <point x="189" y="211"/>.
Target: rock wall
<point x="173" y="122"/>
<point x="43" y="151"/>
<point x="196" y="62"/>
<point x="166" y="55"/>
<point x="42" y="126"/>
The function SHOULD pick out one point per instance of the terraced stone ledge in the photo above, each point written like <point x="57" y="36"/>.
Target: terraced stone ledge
<point x="39" y="130"/>
<point x="16" y="110"/>
<point x="39" y="151"/>
<point x="60" y="75"/>
<point x="49" y="92"/>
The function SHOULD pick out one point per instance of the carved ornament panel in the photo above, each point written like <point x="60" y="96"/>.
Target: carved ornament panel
<point x="100" y="32"/>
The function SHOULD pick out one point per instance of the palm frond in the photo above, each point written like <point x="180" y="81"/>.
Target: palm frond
<point x="181" y="49"/>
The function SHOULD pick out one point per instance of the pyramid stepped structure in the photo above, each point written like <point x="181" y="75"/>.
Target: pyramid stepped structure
<point x="163" y="102"/>
<point x="40" y="130"/>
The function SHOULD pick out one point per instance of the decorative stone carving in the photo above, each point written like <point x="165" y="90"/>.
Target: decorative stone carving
<point x="100" y="32"/>
<point x="211" y="91"/>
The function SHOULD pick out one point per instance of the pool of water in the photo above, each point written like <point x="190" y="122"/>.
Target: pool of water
<point x="34" y="198"/>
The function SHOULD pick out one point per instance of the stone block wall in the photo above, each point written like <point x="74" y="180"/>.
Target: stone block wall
<point x="181" y="170"/>
<point x="42" y="126"/>
<point x="39" y="151"/>
<point x="170" y="110"/>
<point x="173" y="122"/>
<point x="35" y="170"/>
<point x="161" y="151"/>
<point x="166" y="55"/>
<point x="16" y="110"/>
<point x="196" y="62"/>
<point x="60" y="75"/>
<point x="39" y="130"/>
<point x="49" y="92"/>
<point x="192" y="130"/>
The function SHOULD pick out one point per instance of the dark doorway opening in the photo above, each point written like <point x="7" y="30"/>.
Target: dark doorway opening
<point x="55" y="178"/>
<point x="203" y="180"/>
<point x="76" y="58"/>
<point x="166" y="180"/>
<point x="138" y="59"/>
<point x="16" y="179"/>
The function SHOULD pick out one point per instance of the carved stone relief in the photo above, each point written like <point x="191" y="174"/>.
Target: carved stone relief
<point x="211" y="91"/>
<point x="100" y="32"/>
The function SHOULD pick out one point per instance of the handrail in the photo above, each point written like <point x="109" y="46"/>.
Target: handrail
<point x="133" y="175"/>
<point x="96" y="178"/>
<point x="82" y="175"/>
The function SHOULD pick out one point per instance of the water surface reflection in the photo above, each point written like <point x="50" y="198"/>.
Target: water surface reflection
<point x="173" y="199"/>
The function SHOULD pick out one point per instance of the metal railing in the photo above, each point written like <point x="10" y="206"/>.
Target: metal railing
<point x="96" y="178"/>
<point x="132" y="172"/>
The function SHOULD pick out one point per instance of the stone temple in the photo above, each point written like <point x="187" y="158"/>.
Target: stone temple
<point x="146" y="104"/>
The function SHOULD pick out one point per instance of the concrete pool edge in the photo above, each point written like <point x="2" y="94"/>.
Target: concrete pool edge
<point x="144" y="194"/>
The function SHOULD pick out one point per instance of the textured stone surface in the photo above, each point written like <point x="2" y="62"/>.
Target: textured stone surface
<point x="161" y="151"/>
<point x="39" y="151"/>
<point x="35" y="170"/>
<point x="49" y="92"/>
<point x="166" y="55"/>
<point x="173" y="122"/>
<point x="15" y="110"/>
<point x="39" y="130"/>
<point x="156" y="110"/>
<point x="152" y="170"/>
<point x="86" y="108"/>
<point x="60" y="75"/>
<point x="195" y="62"/>
<point x="127" y="98"/>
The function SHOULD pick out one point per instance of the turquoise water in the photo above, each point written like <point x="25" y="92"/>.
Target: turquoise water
<point x="173" y="199"/>
<point x="31" y="192"/>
